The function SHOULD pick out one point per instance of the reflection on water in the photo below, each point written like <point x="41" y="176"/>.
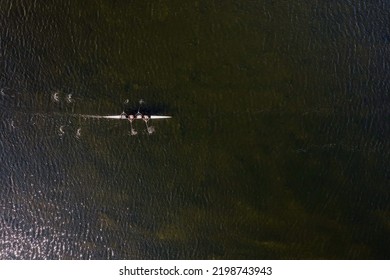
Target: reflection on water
<point x="277" y="148"/>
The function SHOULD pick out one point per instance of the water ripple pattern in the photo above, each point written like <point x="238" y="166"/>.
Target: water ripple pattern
<point x="278" y="146"/>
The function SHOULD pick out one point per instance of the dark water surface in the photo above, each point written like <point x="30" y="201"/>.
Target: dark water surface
<point x="278" y="148"/>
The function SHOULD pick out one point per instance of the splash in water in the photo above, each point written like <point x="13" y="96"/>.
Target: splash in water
<point x="133" y="132"/>
<point x="69" y="98"/>
<point x="150" y="130"/>
<point x="56" y="96"/>
<point x="61" y="131"/>
<point x="78" y="133"/>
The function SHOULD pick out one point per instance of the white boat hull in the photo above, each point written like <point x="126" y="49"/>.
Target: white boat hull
<point x="123" y="117"/>
<point x="160" y="117"/>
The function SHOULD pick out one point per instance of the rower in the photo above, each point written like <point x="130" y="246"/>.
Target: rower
<point x="130" y="118"/>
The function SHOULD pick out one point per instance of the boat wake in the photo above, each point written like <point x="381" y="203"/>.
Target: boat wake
<point x="117" y="117"/>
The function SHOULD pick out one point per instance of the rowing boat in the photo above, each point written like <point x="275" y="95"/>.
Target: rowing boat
<point x="129" y="117"/>
<point x="136" y="117"/>
<point x="133" y="117"/>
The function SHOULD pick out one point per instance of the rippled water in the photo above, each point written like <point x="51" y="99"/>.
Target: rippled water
<point x="278" y="148"/>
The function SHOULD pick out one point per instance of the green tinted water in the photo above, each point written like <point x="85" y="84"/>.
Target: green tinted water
<point x="277" y="148"/>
